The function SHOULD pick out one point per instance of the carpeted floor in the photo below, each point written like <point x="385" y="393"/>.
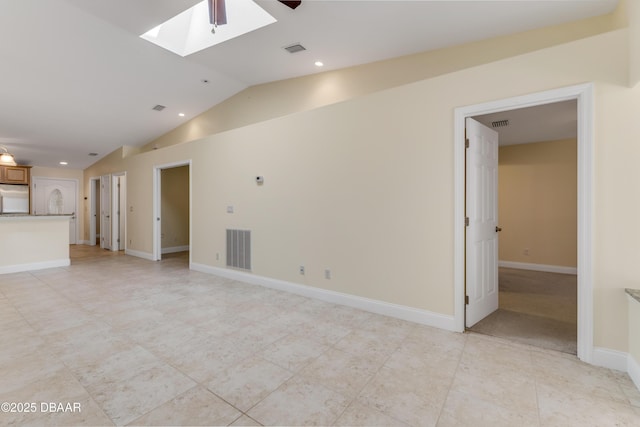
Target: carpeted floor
<point x="536" y="308"/>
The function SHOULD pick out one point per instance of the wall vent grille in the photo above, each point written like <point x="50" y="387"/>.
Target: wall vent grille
<point x="159" y="107"/>
<point x="239" y="249"/>
<point x="500" y="123"/>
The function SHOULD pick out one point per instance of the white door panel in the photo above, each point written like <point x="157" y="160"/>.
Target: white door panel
<point x="105" y="211"/>
<point x="482" y="213"/>
<point x="57" y="197"/>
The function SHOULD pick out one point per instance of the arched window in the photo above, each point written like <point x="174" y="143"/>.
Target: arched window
<point x="56" y="203"/>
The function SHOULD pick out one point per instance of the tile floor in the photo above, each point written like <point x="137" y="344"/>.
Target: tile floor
<point x="152" y="343"/>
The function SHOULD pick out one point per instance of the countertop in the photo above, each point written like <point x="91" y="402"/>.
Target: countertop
<point x="635" y="293"/>
<point x="15" y="217"/>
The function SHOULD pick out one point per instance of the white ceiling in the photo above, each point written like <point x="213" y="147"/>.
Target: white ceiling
<point x="549" y="122"/>
<point x="76" y="78"/>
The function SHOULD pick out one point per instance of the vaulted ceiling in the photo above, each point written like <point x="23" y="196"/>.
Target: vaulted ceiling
<point x="76" y="78"/>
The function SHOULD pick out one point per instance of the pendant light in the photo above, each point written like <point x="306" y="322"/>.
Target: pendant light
<point x="6" y="158"/>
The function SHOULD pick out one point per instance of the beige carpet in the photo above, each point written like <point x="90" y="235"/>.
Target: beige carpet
<point x="536" y="308"/>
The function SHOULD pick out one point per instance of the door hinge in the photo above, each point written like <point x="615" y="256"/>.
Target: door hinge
<point x="466" y="143"/>
<point x="466" y="299"/>
<point x="466" y="221"/>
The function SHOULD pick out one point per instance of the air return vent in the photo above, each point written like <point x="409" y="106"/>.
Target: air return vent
<point x="159" y="107"/>
<point x="239" y="249"/>
<point x="295" y="48"/>
<point x="500" y="123"/>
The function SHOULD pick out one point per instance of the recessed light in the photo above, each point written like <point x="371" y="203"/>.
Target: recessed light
<point x="181" y="114"/>
<point x="319" y="63"/>
<point x="64" y="163"/>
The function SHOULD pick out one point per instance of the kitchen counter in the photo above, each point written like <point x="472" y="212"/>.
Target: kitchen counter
<point x="33" y="242"/>
<point x="27" y="216"/>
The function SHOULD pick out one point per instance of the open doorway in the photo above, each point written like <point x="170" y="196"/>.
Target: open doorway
<point x="172" y="211"/>
<point x="107" y="215"/>
<point x="583" y="94"/>
<point x="537" y="215"/>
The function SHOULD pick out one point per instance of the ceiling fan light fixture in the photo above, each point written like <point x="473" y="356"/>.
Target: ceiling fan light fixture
<point x="6" y="158"/>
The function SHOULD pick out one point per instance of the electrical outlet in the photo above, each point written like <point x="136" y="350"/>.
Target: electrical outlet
<point x="327" y="274"/>
<point x="302" y="270"/>
<point x="217" y="256"/>
<point x="526" y="251"/>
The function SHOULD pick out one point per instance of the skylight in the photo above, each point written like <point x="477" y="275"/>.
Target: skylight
<point x="190" y="31"/>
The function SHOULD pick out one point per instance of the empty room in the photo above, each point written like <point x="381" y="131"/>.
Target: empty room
<point x="284" y="213"/>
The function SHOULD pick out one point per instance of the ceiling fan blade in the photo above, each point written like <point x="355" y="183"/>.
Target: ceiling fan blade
<point x="292" y="4"/>
<point x="217" y="12"/>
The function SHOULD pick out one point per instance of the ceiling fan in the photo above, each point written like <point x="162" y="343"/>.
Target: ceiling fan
<point x="218" y="13"/>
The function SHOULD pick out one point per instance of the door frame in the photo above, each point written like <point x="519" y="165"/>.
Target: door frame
<point x="77" y="196"/>
<point x="157" y="207"/>
<point x="583" y="93"/>
<point x="118" y="199"/>
<point x="94" y="208"/>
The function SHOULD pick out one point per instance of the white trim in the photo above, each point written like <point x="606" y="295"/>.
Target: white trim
<point x="93" y="210"/>
<point x="85" y="242"/>
<point x="118" y="211"/>
<point x="612" y="359"/>
<point x="18" y="268"/>
<point x="139" y="254"/>
<point x="410" y="314"/>
<point x="633" y="369"/>
<point x="538" y="267"/>
<point x="175" y="249"/>
<point x="584" y="95"/>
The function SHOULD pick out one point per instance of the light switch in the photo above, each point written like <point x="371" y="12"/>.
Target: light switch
<point x="229" y="209"/>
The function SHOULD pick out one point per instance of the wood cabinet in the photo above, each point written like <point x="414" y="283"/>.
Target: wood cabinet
<point x="15" y="174"/>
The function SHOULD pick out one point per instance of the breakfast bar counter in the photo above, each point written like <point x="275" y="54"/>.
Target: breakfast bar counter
<point x="33" y="242"/>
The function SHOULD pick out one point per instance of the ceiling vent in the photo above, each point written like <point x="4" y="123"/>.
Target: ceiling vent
<point x="295" y="48"/>
<point x="500" y="123"/>
<point x="159" y="107"/>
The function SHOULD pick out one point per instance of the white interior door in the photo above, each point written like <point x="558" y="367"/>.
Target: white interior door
<point x="122" y="210"/>
<point x="482" y="214"/>
<point x="105" y="211"/>
<point x="117" y="212"/>
<point x="57" y="197"/>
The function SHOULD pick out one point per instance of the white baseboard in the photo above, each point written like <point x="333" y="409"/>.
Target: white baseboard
<point x="633" y="369"/>
<point x="538" y="267"/>
<point x="139" y="254"/>
<point x="175" y="249"/>
<point x="18" y="268"/>
<point x="612" y="359"/>
<point x="375" y="306"/>
<point x="85" y="242"/>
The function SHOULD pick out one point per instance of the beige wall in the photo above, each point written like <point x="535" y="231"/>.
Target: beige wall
<point x="538" y="199"/>
<point x="175" y="207"/>
<point x="365" y="187"/>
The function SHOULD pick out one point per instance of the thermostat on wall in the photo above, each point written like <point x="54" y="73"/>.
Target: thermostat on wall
<point x="259" y="179"/>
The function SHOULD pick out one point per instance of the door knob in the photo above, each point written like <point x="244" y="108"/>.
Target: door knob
<point x="498" y="229"/>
